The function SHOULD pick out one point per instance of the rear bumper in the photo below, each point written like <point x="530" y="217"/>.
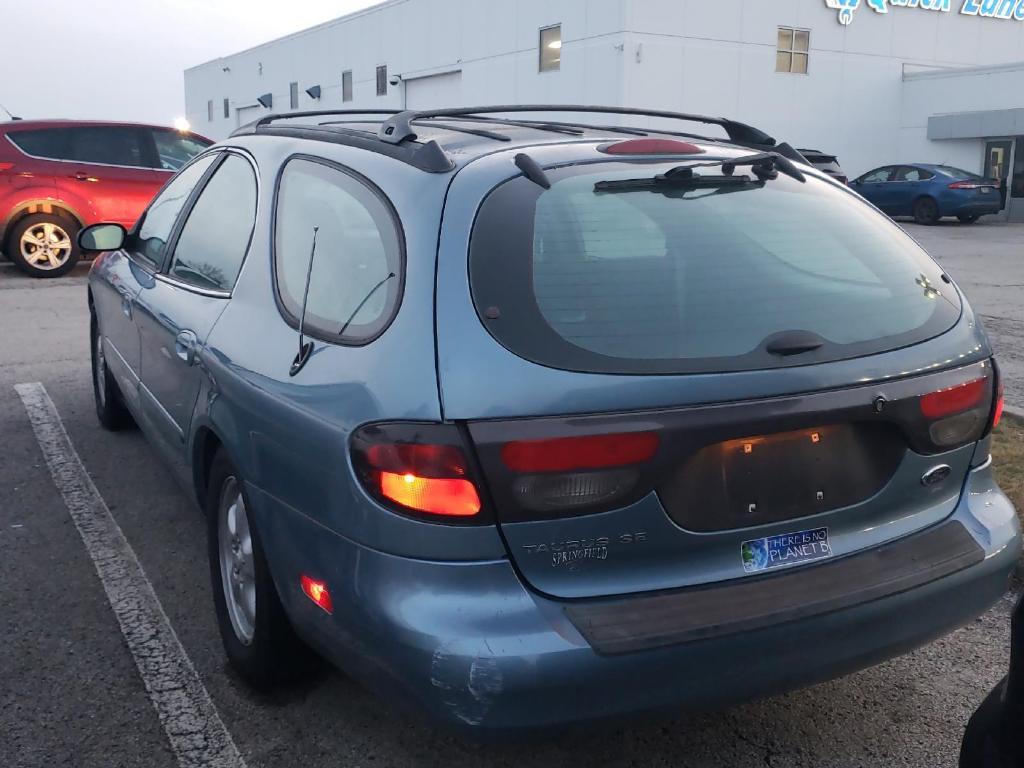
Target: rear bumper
<point x="967" y="206"/>
<point x="469" y="646"/>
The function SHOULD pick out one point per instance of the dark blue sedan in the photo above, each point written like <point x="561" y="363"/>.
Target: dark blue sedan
<point x="930" y="192"/>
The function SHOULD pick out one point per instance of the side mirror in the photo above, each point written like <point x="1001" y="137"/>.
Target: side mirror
<point x="102" y="237"/>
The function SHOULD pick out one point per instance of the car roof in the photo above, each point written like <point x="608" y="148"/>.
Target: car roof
<point x="23" y="125"/>
<point x="440" y="141"/>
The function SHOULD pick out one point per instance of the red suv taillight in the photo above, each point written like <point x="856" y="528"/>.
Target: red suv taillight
<point x="418" y="469"/>
<point x="6" y="166"/>
<point x="565" y="473"/>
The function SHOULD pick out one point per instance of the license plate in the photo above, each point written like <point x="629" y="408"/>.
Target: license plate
<point x="785" y="550"/>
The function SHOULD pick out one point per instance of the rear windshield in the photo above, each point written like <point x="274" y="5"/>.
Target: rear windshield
<point x="638" y="281"/>
<point x="957" y="173"/>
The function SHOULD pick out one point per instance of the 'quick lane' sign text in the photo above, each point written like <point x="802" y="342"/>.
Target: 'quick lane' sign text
<point x="1011" y="10"/>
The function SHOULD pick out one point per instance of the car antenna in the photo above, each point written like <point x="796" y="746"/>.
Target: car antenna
<point x="305" y="347"/>
<point x="5" y="109"/>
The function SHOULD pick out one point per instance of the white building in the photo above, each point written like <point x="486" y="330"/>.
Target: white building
<point x="874" y="81"/>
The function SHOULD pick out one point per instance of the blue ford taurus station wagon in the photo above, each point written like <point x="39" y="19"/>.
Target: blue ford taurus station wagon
<point x="524" y="421"/>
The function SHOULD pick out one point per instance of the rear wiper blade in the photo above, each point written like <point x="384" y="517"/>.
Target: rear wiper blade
<point x="678" y="181"/>
<point x="764" y="165"/>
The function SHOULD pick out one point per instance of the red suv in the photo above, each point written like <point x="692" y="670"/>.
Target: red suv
<point x="57" y="176"/>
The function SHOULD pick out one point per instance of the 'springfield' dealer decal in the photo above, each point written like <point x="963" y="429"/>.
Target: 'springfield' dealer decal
<point x="1007" y="10"/>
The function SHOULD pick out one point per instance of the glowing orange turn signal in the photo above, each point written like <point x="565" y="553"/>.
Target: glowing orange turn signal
<point x="440" y="496"/>
<point x="317" y="592"/>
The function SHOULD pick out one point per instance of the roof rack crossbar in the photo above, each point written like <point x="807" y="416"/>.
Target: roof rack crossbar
<point x="445" y="127"/>
<point x="273" y="118"/>
<point x="398" y="127"/>
<point x="610" y="128"/>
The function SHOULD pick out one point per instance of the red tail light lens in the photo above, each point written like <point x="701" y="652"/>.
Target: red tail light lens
<point x="317" y="592"/>
<point x="972" y="184"/>
<point x="575" y="473"/>
<point x="566" y="454"/>
<point x="651" y="147"/>
<point x="417" y="468"/>
<point x="6" y="166"/>
<point x="946" y="402"/>
<point x="997" y="409"/>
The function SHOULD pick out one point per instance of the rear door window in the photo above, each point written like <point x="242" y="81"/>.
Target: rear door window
<point x="109" y="145"/>
<point x="909" y="173"/>
<point x="640" y="281"/>
<point x="215" y="237"/>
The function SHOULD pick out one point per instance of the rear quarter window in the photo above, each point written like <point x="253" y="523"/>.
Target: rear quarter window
<point x="49" y="143"/>
<point x="358" y="270"/>
<point x="700" y="280"/>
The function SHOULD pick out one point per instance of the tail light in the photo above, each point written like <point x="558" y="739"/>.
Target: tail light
<point x="973" y="184"/>
<point x="651" y="147"/>
<point x="564" y="474"/>
<point x="958" y="414"/>
<point x="418" y="469"/>
<point x="997" y="405"/>
<point x="5" y="166"/>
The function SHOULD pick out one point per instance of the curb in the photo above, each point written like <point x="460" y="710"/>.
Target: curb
<point x="1017" y="413"/>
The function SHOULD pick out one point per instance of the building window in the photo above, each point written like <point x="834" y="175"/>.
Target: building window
<point x="346" y="85"/>
<point x="293" y="95"/>
<point x="382" y="80"/>
<point x="209" y="110"/>
<point x="551" y="48"/>
<point x="791" y="51"/>
<point x="227" y="108"/>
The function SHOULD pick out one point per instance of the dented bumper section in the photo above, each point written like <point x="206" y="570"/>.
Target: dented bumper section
<point x="470" y="647"/>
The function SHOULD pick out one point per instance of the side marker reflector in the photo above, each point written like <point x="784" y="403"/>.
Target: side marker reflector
<point x="317" y="592"/>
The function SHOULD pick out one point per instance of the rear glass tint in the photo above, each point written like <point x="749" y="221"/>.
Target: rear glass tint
<point x="696" y="280"/>
<point x="51" y="143"/>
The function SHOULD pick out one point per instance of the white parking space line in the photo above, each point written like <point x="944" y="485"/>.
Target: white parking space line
<point x="187" y="713"/>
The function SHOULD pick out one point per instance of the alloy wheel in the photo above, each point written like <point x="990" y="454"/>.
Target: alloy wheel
<point x="237" y="568"/>
<point x="45" y="246"/>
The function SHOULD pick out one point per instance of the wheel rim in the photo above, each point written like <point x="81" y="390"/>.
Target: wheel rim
<point x="928" y="209"/>
<point x="45" y="246"/>
<point x="100" y="371"/>
<point x="237" y="571"/>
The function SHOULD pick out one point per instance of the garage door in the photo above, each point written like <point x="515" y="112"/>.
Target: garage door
<point x="248" y="114"/>
<point x="434" y="92"/>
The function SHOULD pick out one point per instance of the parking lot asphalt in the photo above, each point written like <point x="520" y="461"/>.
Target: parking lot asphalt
<point x="70" y="693"/>
<point x="987" y="261"/>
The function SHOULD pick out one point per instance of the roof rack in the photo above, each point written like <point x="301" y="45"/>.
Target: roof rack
<point x="396" y="134"/>
<point x="398" y="127"/>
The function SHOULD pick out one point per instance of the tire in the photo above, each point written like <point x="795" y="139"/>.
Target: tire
<point x="926" y="211"/>
<point x="260" y="643"/>
<point x="111" y="411"/>
<point x="44" y="245"/>
<point x="968" y="219"/>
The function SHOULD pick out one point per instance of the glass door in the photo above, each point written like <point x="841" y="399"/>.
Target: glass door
<point x="997" y="164"/>
<point x="1017" y="183"/>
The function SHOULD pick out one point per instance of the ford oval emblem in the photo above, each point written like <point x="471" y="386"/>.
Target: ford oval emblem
<point x="936" y="475"/>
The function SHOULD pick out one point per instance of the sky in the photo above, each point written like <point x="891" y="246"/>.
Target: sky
<point x="124" y="59"/>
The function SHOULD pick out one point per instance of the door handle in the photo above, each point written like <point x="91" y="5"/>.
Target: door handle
<point x="185" y="347"/>
<point x="81" y="176"/>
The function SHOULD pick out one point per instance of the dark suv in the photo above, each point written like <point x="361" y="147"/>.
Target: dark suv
<point x="57" y="176"/>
